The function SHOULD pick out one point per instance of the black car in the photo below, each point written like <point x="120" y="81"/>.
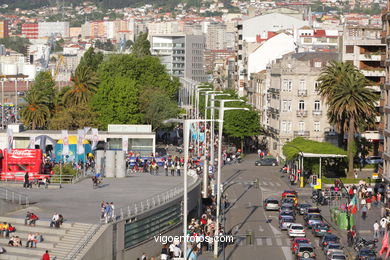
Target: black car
<point x="328" y="238"/>
<point x="366" y="254"/>
<point x="268" y="161"/>
<point x="302" y="208"/>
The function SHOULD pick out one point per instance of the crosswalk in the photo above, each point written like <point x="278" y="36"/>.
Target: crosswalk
<point x="265" y="241"/>
<point x="261" y="183"/>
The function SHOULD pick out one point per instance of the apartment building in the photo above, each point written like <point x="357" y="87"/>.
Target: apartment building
<point x="182" y="54"/>
<point x="294" y="108"/>
<point x="362" y="46"/>
<point x="4" y="30"/>
<point x="30" y="30"/>
<point x="216" y="36"/>
<point x="317" y="39"/>
<point x="385" y="101"/>
<point x="47" y="29"/>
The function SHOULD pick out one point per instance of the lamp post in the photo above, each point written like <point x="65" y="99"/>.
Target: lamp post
<point x="222" y="110"/>
<point x="186" y="132"/>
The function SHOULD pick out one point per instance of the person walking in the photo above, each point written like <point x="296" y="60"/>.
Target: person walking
<point x="26" y="183"/>
<point x="178" y="169"/>
<point x="355" y="174"/>
<point x="376" y="229"/>
<point x="368" y="202"/>
<point x="364" y="212"/>
<point x="166" y="167"/>
<point x="46" y="255"/>
<point x="383" y="222"/>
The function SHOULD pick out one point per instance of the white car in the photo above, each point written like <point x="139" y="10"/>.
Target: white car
<point x="296" y="230"/>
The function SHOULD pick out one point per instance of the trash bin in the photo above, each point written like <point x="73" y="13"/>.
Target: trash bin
<point x="332" y="214"/>
<point x="342" y="220"/>
<point x="336" y="216"/>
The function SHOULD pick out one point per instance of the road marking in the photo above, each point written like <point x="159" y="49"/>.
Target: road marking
<point x="261" y="229"/>
<point x="268" y="241"/>
<point x="265" y="183"/>
<point x="259" y="241"/>
<point x="278" y="241"/>
<point x="275" y="230"/>
<point x="317" y="242"/>
<point x="287" y="253"/>
<point x="278" y="184"/>
<point x="288" y="241"/>
<point x="272" y="184"/>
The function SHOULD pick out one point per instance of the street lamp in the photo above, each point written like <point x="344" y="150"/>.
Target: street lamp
<point x="186" y="132"/>
<point x="222" y="110"/>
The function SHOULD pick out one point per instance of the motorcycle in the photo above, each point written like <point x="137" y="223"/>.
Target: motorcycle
<point x="362" y="243"/>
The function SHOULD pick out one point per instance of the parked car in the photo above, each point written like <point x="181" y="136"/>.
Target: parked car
<point x="298" y="240"/>
<point x="285" y="222"/>
<point x="305" y="251"/>
<point x="333" y="247"/>
<point x="366" y="254"/>
<point x="268" y="161"/>
<point x="374" y="160"/>
<point x="313" y="219"/>
<point x="271" y="204"/>
<point x="336" y="256"/>
<point x="296" y="230"/>
<point x="328" y="238"/>
<point x="320" y="229"/>
<point x="302" y="208"/>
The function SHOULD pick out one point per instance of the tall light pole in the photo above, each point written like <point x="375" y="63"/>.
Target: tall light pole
<point x="198" y="91"/>
<point x="222" y="110"/>
<point x="186" y="132"/>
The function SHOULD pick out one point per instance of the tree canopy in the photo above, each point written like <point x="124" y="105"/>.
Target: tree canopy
<point x="141" y="46"/>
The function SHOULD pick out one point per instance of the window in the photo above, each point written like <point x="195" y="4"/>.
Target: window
<point x="317" y="126"/>
<point x="301" y="127"/>
<point x="289" y="126"/>
<point x="284" y="126"/>
<point x="317" y="105"/>
<point x="302" y="85"/>
<point x="317" y="64"/>
<point x="287" y="85"/>
<point x="349" y="49"/>
<point x="286" y="105"/>
<point x="301" y="105"/>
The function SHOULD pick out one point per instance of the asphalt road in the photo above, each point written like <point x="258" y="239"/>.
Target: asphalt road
<point x="246" y="214"/>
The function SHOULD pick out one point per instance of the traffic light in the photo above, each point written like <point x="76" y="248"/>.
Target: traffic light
<point x="314" y="180"/>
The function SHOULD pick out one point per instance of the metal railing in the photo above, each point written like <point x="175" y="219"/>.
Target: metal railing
<point x="13" y="196"/>
<point x="152" y="202"/>
<point x="83" y="242"/>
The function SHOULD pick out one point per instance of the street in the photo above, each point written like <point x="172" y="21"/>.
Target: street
<point x="246" y="214"/>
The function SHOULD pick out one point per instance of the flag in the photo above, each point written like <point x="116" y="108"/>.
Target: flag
<point x="80" y="137"/>
<point x="352" y="206"/>
<point x="65" y="142"/>
<point x="86" y="130"/>
<point x="32" y="142"/>
<point x="95" y="138"/>
<point x="10" y="139"/>
<point x="125" y="144"/>
<point x="385" y="246"/>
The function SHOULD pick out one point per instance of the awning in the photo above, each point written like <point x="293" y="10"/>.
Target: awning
<point x="317" y="155"/>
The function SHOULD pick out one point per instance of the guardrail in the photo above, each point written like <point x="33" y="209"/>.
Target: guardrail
<point x="13" y="196"/>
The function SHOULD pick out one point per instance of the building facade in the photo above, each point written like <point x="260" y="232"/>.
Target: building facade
<point x="30" y="30"/>
<point x="216" y="36"/>
<point x="4" y="30"/>
<point x="385" y="97"/>
<point x="47" y="29"/>
<point x="295" y="109"/>
<point x="182" y="54"/>
<point x="362" y="47"/>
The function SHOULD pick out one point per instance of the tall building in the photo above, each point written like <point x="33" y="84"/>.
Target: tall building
<point x="46" y="29"/>
<point x="4" y="31"/>
<point x="362" y="46"/>
<point x="385" y="98"/>
<point x="294" y="107"/>
<point x="215" y="37"/>
<point x="30" y="30"/>
<point x="182" y="54"/>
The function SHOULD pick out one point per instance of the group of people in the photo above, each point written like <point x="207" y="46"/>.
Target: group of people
<point x="57" y="220"/>
<point x="36" y="182"/>
<point x="30" y="219"/>
<point x="107" y="211"/>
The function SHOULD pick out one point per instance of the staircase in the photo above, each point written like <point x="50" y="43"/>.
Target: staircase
<point x="59" y="242"/>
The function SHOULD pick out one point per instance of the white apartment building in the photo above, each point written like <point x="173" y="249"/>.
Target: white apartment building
<point x="46" y="29"/>
<point x="294" y="108"/>
<point x="182" y="54"/>
<point x="309" y="39"/>
<point x="216" y="36"/>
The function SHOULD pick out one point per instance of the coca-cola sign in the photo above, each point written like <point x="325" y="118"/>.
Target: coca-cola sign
<point x="17" y="154"/>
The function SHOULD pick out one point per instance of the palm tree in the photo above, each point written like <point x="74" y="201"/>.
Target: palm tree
<point x="351" y="107"/>
<point x="36" y="111"/>
<point x="84" y="86"/>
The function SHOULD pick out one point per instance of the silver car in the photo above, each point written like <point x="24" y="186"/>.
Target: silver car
<point x="271" y="204"/>
<point x="285" y="222"/>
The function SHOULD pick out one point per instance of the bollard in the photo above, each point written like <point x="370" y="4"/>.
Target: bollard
<point x="249" y="237"/>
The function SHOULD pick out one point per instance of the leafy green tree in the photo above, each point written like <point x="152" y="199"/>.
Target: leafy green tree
<point x="141" y="46"/>
<point x="73" y="117"/>
<point x="35" y="112"/>
<point x="44" y="83"/>
<point x="91" y="59"/>
<point x="157" y="106"/>
<point x="351" y="106"/>
<point x="147" y="72"/>
<point x="116" y="101"/>
<point x="16" y="43"/>
<point x="84" y="86"/>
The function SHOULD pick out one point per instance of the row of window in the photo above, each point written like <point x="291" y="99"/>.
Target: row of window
<point x="197" y="59"/>
<point x="197" y="65"/>
<point x="286" y="126"/>
<point x="169" y="44"/>
<point x="197" y="52"/>
<point x="286" y="105"/>
<point x="198" y="45"/>
<point x="197" y="72"/>
<point x="288" y="86"/>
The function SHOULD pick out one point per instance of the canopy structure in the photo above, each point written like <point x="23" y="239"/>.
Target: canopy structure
<point x="317" y="155"/>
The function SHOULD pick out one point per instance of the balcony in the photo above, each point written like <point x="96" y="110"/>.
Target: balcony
<point x="317" y="112"/>
<point x="273" y="110"/>
<point x="302" y="92"/>
<point x="274" y="90"/>
<point x="374" y="73"/>
<point x="372" y="136"/>
<point x="370" y="57"/>
<point x="302" y="113"/>
<point x="301" y="133"/>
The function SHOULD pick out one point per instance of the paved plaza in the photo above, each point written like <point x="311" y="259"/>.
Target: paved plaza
<point x="81" y="203"/>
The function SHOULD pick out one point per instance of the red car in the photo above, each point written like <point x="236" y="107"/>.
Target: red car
<point x="298" y="240"/>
